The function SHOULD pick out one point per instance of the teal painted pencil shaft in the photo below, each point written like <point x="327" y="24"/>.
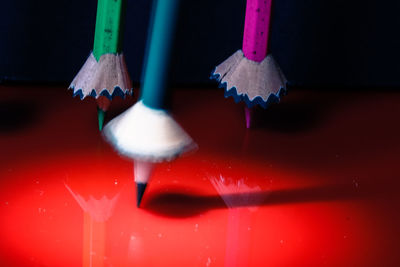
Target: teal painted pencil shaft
<point x="159" y="53"/>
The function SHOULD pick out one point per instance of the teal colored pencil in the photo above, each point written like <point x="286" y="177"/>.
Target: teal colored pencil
<point x="159" y="53"/>
<point x="146" y="132"/>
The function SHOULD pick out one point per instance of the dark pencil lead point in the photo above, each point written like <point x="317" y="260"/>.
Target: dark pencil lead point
<point x="100" y="116"/>
<point x="140" y="187"/>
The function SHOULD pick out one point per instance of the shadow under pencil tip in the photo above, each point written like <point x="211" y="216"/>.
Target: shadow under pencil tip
<point x="181" y="205"/>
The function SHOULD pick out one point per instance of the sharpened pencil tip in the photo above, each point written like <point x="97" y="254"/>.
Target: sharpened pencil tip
<point x="140" y="187"/>
<point x="100" y="115"/>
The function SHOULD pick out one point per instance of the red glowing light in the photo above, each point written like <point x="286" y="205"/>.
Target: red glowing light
<point x="285" y="199"/>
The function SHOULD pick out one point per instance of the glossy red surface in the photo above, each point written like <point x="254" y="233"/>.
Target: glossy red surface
<point x="313" y="183"/>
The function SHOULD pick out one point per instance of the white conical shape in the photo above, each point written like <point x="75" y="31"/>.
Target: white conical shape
<point x="147" y="134"/>
<point x="109" y="73"/>
<point x="251" y="78"/>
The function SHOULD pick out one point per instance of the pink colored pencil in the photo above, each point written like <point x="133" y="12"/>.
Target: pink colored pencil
<point x="251" y="74"/>
<point x="256" y="36"/>
<point x="256" y="29"/>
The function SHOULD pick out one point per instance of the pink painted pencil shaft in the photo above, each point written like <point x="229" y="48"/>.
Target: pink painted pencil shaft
<point x="256" y="29"/>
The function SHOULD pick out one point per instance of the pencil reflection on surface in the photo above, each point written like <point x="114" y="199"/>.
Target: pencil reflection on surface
<point x="94" y="242"/>
<point x="99" y="209"/>
<point x="238" y="236"/>
<point x="96" y="214"/>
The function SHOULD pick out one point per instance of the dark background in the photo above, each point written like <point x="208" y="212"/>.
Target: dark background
<point x="329" y="43"/>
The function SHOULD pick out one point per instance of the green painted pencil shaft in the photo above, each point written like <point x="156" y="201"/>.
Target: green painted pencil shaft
<point x="109" y="27"/>
<point x="100" y="117"/>
<point x="159" y="53"/>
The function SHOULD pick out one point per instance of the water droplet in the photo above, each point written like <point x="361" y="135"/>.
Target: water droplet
<point x="281" y="241"/>
<point x="115" y="181"/>
<point x="160" y="235"/>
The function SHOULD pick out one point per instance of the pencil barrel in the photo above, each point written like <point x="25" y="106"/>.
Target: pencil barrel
<point x="256" y="29"/>
<point x="156" y="68"/>
<point x="110" y="21"/>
